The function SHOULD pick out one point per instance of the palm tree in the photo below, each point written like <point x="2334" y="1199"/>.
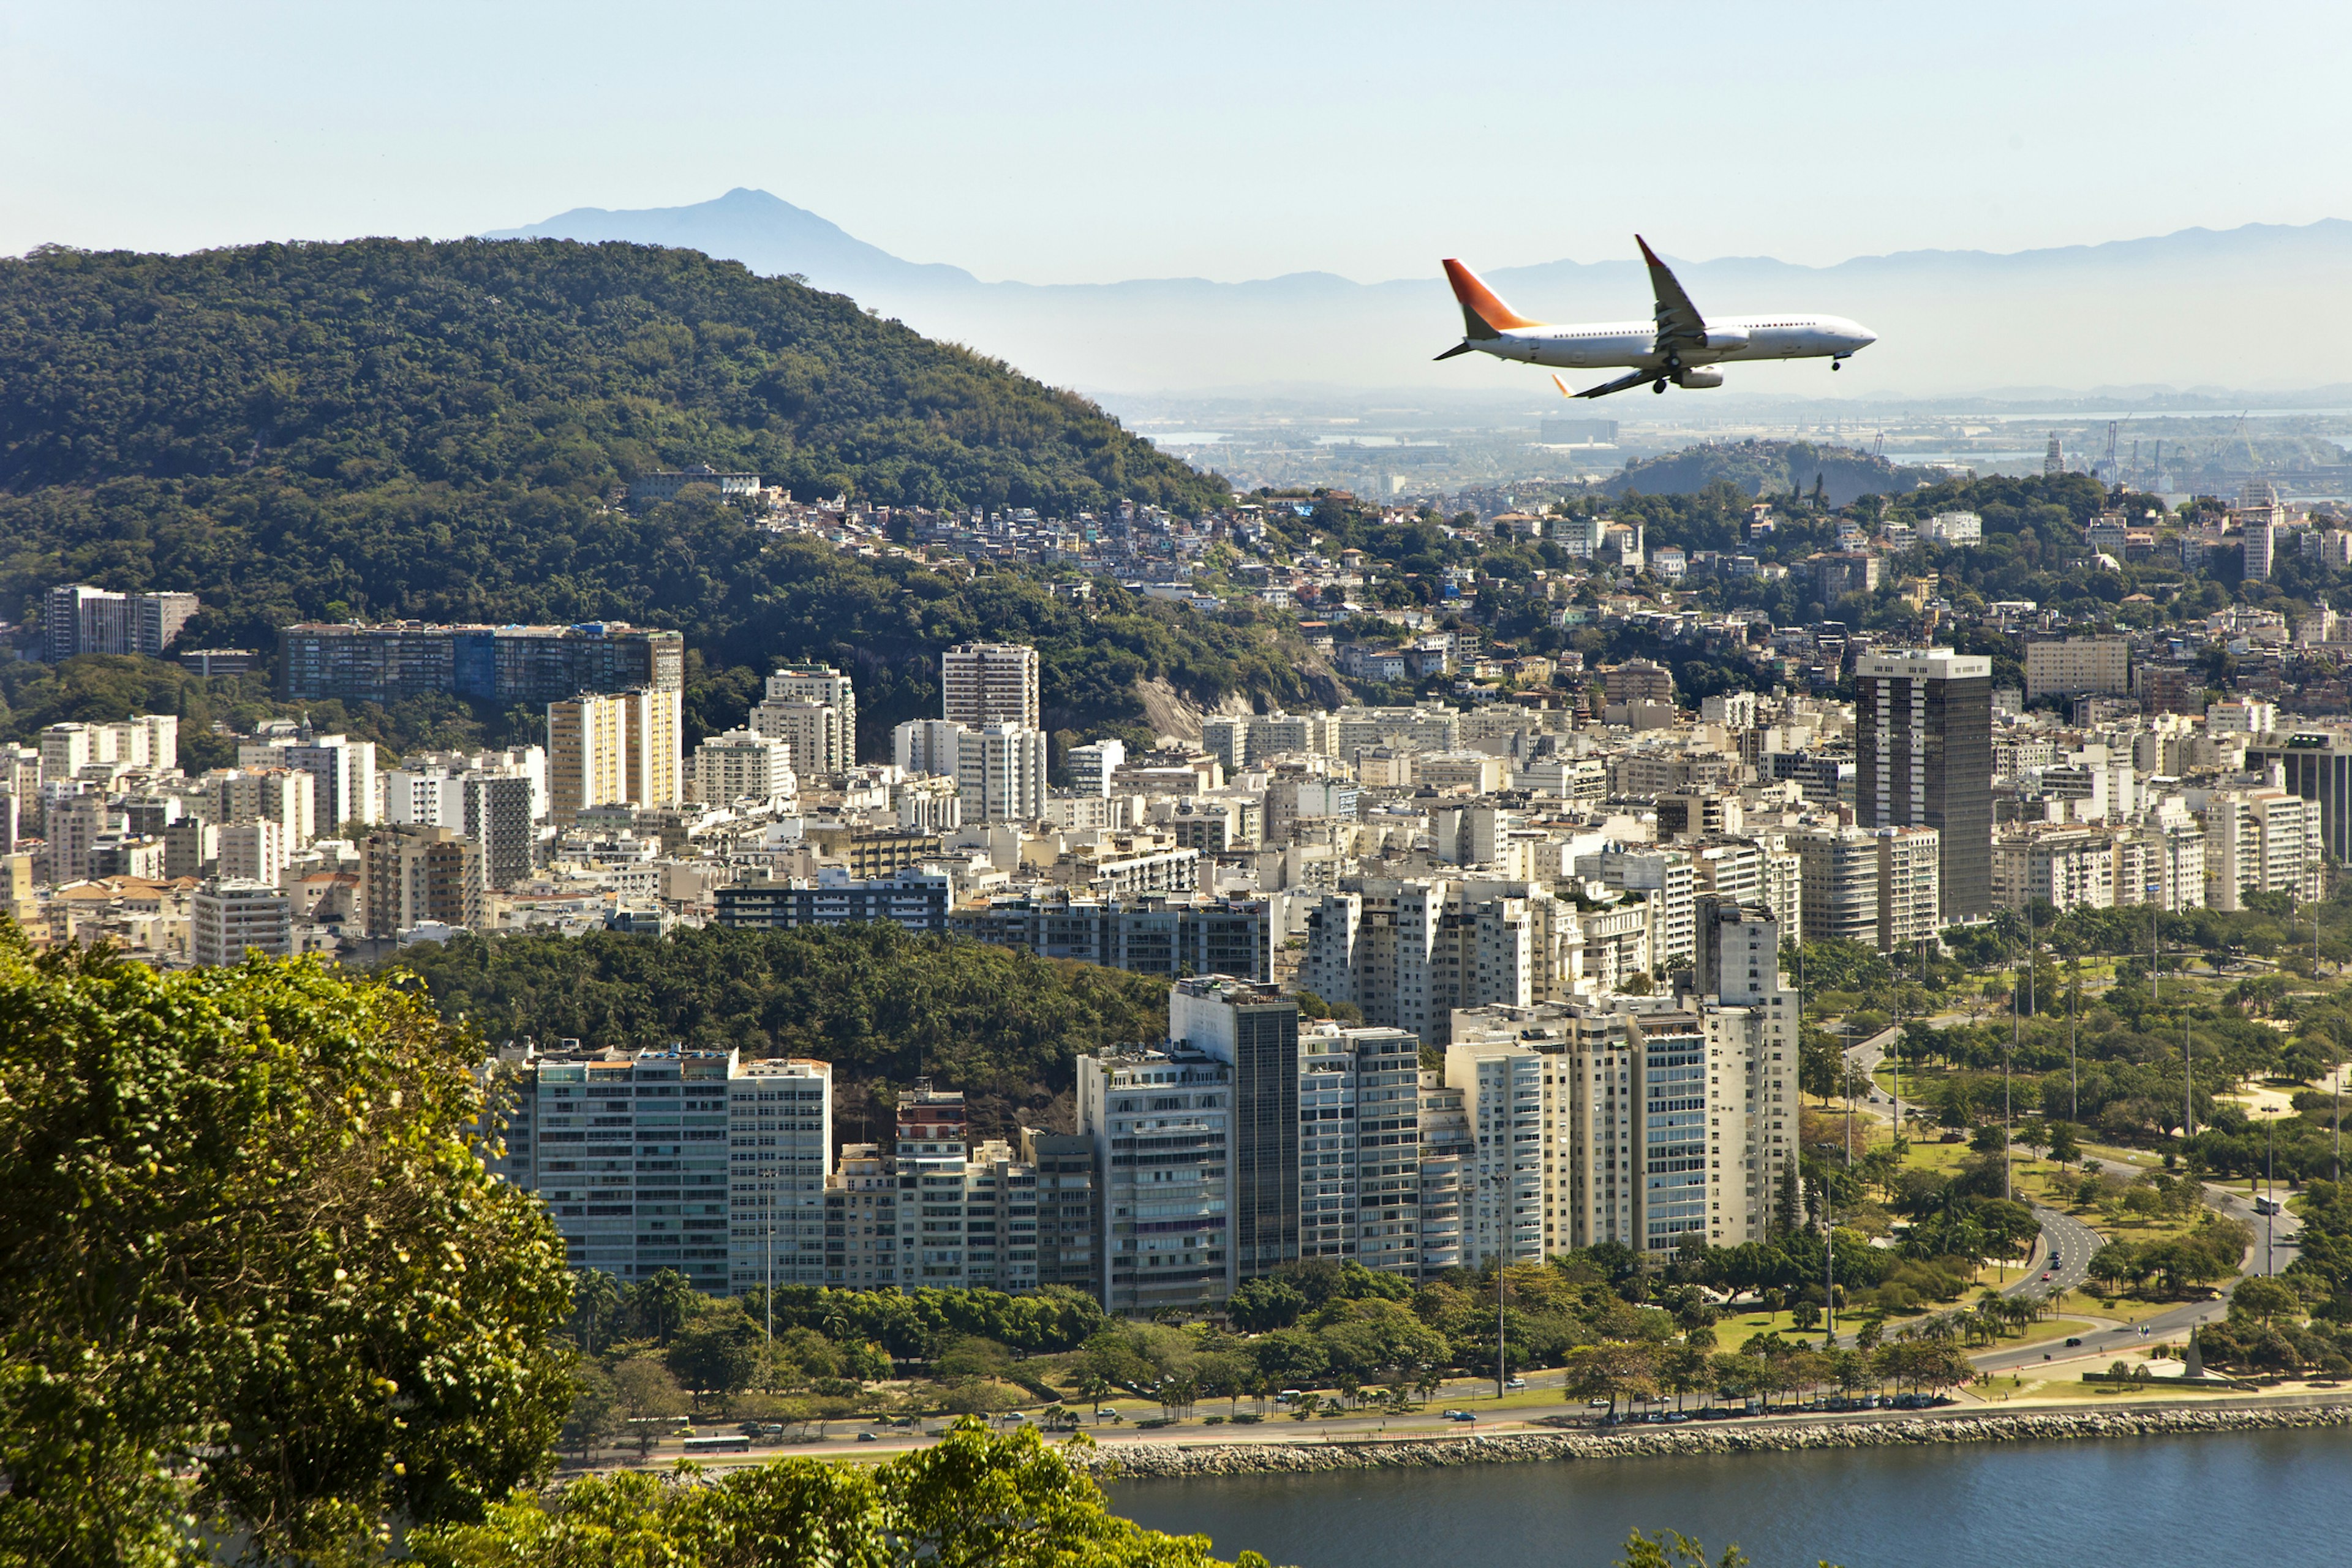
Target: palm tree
<point x="595" y="1299"/>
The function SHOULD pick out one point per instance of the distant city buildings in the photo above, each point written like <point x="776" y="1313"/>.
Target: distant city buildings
<point x="75" y="619"/>
<point x="393" y="662"/>
<point x="990" y="683"/>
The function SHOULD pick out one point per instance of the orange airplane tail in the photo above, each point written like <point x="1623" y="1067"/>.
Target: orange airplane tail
<point x="1482" y="315"/>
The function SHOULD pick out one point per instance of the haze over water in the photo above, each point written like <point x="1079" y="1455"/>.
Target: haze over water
<point x="2137" y="1502"/>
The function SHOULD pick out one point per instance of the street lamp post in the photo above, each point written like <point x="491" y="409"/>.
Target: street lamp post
<point x="1502" y="1256"/>
<point x="2270" y="1188"/>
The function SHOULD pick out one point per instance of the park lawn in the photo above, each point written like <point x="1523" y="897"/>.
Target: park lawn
<point x="2075" y="1391"/>
<point x="2118" y="1308"/>
<point x="2042" y="1332"/>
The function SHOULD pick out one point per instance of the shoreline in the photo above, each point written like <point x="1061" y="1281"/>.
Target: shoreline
<point x="1171" y="1461"/>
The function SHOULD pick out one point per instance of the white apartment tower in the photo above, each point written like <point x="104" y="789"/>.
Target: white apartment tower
<point x="230" y="916"/>
<point x="779" y="1149"/>
<point x="822" y="742"/>
<point x="1000" y="773"/>
<point x="990" y="683"/>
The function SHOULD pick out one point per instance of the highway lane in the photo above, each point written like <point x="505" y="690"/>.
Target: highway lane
<point x="2172" y="1323"/>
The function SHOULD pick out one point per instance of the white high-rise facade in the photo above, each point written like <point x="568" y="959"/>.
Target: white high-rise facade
<point x="823" y="743"/>
<point x="742" y="765"/>
<point x="990" y="683"/>
<point x="1000" y="773"/>
<point x="228" y="916"/>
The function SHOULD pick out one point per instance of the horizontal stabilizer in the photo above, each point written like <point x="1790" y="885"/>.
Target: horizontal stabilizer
<point x="1456" y="349"/>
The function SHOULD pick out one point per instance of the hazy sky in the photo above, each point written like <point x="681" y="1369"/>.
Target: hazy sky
<point x="1094" y="143"/>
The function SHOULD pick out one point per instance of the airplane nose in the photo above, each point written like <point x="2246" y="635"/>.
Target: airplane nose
<point x="1864" y="337"/>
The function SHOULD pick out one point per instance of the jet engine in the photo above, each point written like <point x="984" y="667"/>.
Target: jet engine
<point x="1692" y="376"/>
<point x="1727" y="339"/>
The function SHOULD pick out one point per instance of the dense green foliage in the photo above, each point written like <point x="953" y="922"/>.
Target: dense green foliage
<point x="1838" y="474"/>
<point x="975" y="1500"/>
<point x="545" y="365"/>
<point x="252" y="1274"/>
<point x="917" y="1325"/>
<point x="386" y="430"/>
<point x="1618" y="1328"/>
<point x="882" y="1006"/>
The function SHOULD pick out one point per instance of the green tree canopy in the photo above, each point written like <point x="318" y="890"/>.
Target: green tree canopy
<point x="244" y="1238"/>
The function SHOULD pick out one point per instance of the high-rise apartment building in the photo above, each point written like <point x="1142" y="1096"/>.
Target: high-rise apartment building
<point x="608" y="749"/>
<point x="253" y="851"/>
<point x="1407" y="952"/>
<point x="1923" y="756"/>
<point x="1068" y="1207"/>
<point x="345" y="770"/>
<point x="230" y="916"/>
<point x="927" y="746"/>
<point x="814" y="706"/>
<point x="655" y="1159"/>
<point x="505" y="665"/>
<point x="2259" y="841"/>
<point x="492" y="798"/>
<point x="1000" y="773"/>
<point x="1669" y="874"/>
<point x="742" y="765"/>
<point x="2317" y="766"/>
<point x="1093" y="765"/>
<point x="990" y="683"/>
<point x="75" y="619"/>
<point x="778" y="1150"/>
<point x="1502" y="1180"/>
<point x="1359" y="1146"/>
<point x="1449" y="1156"/>
<point x="1254" y="1029"/>
<point x="148" y="743"/>
<point x="1882" y="888"/>
<point x="1651" y="1122"/>
<point x="412" y="875"/>
<point x="1159" y="1122"/>
<point x="2068" y="667"/>
<point x="287" y="797"/>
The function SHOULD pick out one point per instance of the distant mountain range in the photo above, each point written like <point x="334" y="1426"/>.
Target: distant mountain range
<point x="2257" y="307"/>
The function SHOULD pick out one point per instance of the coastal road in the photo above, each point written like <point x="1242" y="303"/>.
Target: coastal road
<point x="2174" y="1322"/>
<point x="2066" y="1255"/>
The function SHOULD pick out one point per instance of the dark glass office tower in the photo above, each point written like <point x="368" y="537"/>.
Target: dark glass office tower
<point x="1255" y="1029"/>
<point x="1923" y="758"/>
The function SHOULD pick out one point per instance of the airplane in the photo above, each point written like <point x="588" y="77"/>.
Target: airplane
<point x="1680" y="346"/>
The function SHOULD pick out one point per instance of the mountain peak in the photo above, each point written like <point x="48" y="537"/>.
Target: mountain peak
<point x="756" y="227"/>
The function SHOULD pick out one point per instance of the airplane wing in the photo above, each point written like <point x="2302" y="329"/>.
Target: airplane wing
<point x="1678" y="319"/>
<point x="1622" y="383"/>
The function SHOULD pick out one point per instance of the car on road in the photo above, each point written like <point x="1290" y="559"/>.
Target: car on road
<point x="2074" y="1342"/>
<point x="1597" y="1403"/>
<point x="868" y="1437"/>
<point x="1516" y="1382"/>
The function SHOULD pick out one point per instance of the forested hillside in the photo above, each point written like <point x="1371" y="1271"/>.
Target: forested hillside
<point x="388" y="428"/>
<point x="882" y="1007"/>
<point x="1838" y="475"/>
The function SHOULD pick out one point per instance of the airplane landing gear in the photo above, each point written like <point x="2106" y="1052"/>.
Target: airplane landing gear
<point x="1837" y="363"/>
<point x="1659" y="385"/>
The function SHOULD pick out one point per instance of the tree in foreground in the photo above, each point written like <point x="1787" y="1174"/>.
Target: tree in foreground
<point x="975" y="1500"/>
<point x="253" y="1278"/>
<point x="1672" y="1549"/>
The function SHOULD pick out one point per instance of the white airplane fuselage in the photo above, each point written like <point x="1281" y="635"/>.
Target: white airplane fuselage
<point x="1633" y="345"/>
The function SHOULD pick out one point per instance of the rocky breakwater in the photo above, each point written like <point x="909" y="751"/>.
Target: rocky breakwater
<point x="1142" y="1461"/>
